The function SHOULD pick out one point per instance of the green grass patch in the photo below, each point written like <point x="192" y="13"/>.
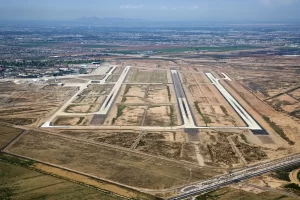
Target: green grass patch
<point x="97" y="46"/>
<point x="82" y="61"/>
<point x="213" y="49"/>
<point x="172" y="122"/>
<point x="119" y="113"/>
<point x="124" y="99"/>
<point x="18" y="182"/>
<point x="244" y="138"/>
<point x="80" y="120"/>
<point x="283" y="174"/>
<point x="127" y="88"/>
<point x="205" y="118"/>
<point x="293" y="186"/>
<point x="224" y="110"/>
<point x="15" y="160"/>
<point x="184" y="49"/>
<point x="278" y="130"/>
<point x="7" y="134"/>
<point x="169" y="93"/>
<point x="35" y="44"/>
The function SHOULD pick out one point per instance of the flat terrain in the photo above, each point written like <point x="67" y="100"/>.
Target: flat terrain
<point x="131" y="168"/>
<point x="230" y="193"/>
<point x="147" y="76"/>
<point x="121" y="138"/>
<point x="7" y="134"/>
<point x="20" y="183"/>
<point x="208" y="105"/>
<point x="142" y="141"/>
<point x="24" y="104"/>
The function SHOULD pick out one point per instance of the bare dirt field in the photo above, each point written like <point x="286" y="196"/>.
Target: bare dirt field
<point x="121" y="139"/>
<point x="230" y="148"/>
<point x="295" y="94"/>
<point x="190" y="77"/>
<point x="289" y="127"/>
<point x="208" y="105"/>
<point x="68" y="80"/>
<point x="250" y="153"/>
<point x="160" y="116"/>
<point x="136" y="75"/>
<point x="134" y="94"/>
<point x="222" y="152"/>
<point x="93" y="94"/>
<point x="7" y="134"/>
<point x="148" y="94"/>
<point x="83" y="108"/>
<point x="124" y="167"/>
<point x="159" y="94"/>
<point x="71" y="121"/>
<point x="167" y="145"/>
<point x="285" y="103"/>
<point x="139" y="76"/>
<point x="129" y="115"/>
<point x="24" y="104"/>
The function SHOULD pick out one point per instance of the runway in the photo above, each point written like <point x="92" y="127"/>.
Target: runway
<point x="245" y="116"/>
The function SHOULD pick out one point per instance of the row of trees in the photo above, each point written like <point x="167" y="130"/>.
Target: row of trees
<point x="42" y="64"/>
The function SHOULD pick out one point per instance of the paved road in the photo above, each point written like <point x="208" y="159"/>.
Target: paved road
<point x="215" y="183"/>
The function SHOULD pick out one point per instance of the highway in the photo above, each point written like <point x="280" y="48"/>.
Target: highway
<point x="249" y="172"/>
<point x="251" y="123"/>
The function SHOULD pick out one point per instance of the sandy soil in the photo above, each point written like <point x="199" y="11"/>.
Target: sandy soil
<point x="132" y="116"/>
<point x="290" y="127"/>
<point x="116" y="165"/>
<point x="158" y="94"/>
<point x="159" y="116"/>
<point x="73" y="108"/>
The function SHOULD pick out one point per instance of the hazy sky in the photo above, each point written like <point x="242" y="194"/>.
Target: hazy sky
<point x="165" y="10"/>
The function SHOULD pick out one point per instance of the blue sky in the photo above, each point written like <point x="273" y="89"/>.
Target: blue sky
<point x="164" y="10"/>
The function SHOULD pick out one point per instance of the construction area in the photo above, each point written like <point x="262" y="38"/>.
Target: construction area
<point x="182" y="121"/>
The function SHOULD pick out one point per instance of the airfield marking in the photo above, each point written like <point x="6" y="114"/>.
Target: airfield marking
<point x="252" y="124"/>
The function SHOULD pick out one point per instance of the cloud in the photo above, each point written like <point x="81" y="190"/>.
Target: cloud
<point x="277" y="2"/>
<point x="164" y="8"/>
<point x="194" y="7"/>
<point x="132" y="7"/>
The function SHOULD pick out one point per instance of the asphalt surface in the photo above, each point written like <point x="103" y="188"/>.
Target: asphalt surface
<point x="223" y="180"/>
<point x="245" y="116"/>
<point x="186" y="114"/>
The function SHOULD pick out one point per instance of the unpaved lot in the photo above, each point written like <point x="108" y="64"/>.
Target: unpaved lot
<point x="124" y="167"/>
